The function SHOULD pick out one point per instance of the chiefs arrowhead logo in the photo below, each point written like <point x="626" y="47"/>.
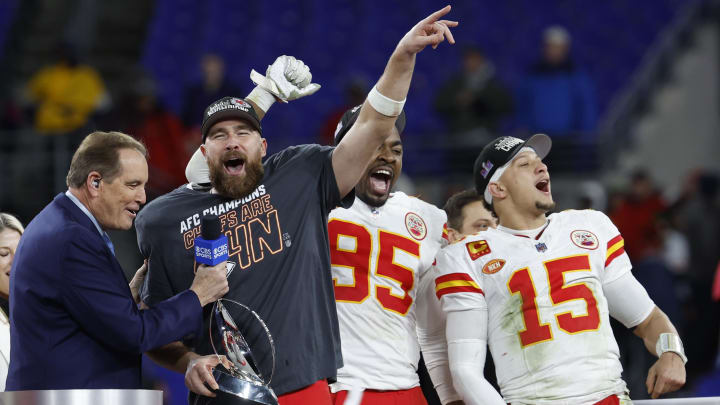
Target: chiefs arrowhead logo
<point x="477" y="249"/>
<point x="415" y="226"/>
<point x="584" y="239"/>
<point x="493" y="266"/>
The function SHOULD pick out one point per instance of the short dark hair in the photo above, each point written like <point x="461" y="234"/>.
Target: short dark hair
<point x="455" y="204"/>
<point x="99" y="152"/>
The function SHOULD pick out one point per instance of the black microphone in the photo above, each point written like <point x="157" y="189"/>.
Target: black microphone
<point x="211" y="247"/>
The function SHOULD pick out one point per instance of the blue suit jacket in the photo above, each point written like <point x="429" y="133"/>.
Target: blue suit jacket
<point x="73" y="322"/>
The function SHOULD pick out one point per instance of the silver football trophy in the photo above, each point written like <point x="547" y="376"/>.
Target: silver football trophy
<point x="243" y="380"/>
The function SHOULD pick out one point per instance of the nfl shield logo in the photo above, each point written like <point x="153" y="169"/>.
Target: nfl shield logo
<point x="541" y="247"/>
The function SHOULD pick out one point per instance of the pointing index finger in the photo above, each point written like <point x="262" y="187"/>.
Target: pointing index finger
<point x="436" y="15"/>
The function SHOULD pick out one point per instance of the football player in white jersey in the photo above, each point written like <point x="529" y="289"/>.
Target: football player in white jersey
<point x="466" y="215"/>
<point x="539" y="290"/>
<point x="380" y="249"/>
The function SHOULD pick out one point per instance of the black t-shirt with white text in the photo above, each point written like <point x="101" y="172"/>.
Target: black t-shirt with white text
<point x="279" y="261"/>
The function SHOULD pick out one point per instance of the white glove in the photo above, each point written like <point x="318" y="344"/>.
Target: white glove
<point x="287" y="79"/>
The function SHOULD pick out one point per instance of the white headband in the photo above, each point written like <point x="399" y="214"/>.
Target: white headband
<point x="499" y="172"/>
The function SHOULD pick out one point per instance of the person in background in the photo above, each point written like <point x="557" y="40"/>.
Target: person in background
<point x="214" y="86"/>
<point x="636" y="217"/>
<point x="557" y="97"/>
<point x="467" y="215"/>
<point x="474" y="97"/>
<point x="355" y="91"/>
<point x="699" y="211"/>
<point x="65" y="94"/>
<point x="10" y="232"/>
<point x="168" y="143"/>
<point x="472" y="103"/>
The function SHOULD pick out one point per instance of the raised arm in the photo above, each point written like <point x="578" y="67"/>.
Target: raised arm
<point x="285" y="80"/>
<point x="385" y="101"/>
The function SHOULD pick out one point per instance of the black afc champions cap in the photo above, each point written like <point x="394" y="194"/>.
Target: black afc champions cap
<point x="229" y="108"/>
<point x="501" y="151"/>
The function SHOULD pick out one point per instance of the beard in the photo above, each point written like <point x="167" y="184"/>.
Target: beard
<point x="545" y="207"/>
<point x="235" y="186"/>
<point x="362" y="191"/>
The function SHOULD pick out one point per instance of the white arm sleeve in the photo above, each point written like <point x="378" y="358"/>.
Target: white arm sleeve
<point x="431" y="336"/>
<point x="467" y="344"/>
<point x="628" y="301"/>
<point x="435" y="352"/>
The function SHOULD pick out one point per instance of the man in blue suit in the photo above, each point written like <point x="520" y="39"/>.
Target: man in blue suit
<point x="74" y="322"/>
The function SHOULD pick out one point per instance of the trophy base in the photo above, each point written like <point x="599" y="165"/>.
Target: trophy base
<point x="233" y="390"/>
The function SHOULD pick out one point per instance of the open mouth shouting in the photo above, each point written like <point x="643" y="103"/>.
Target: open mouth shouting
<point x="543" y="185"/>
<point x="132" y="212"/>
<point x="380" y="180"/>
<point x="234" y="165"/>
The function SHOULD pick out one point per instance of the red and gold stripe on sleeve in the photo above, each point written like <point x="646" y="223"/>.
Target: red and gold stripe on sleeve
<point x="615" y="248"/>
<point x="445" y="232"/>
<point x="456" y="283"/>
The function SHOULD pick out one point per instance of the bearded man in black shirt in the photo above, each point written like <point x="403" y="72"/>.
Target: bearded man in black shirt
<point x="274" y="213"/>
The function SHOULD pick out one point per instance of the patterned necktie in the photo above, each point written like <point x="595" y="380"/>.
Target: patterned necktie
<point x="108" y="242"/>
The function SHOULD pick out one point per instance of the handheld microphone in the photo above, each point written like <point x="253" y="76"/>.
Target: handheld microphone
<point x="211" y="247"/>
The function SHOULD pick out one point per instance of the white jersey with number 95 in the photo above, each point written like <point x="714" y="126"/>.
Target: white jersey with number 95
<point x="378" y="256"/>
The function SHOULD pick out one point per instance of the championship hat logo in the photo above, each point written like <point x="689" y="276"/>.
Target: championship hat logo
<point x="493" y="266"/>
<point x="415" y="226"/>
<point x="507" y="143"/>
<point x="235" y="103"/>
<point x="240" y="103"/>
<point x="584" y="239"/>
<point x="477" y="249"/>
<point x="486" y="167"/>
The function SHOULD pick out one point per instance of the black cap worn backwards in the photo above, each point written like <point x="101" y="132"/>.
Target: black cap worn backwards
<point x="351" y="115"/>
<point x="229" y="108"/>
<point x="501" y="151"/>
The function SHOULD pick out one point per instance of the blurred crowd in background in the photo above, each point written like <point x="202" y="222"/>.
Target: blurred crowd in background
<point x="565" y="68"/>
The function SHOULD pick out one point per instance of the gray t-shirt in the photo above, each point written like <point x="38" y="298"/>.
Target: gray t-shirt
<point x="279" y="262"/>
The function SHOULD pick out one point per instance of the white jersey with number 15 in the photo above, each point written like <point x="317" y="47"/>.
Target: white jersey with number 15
<point x="548" y="321"/>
